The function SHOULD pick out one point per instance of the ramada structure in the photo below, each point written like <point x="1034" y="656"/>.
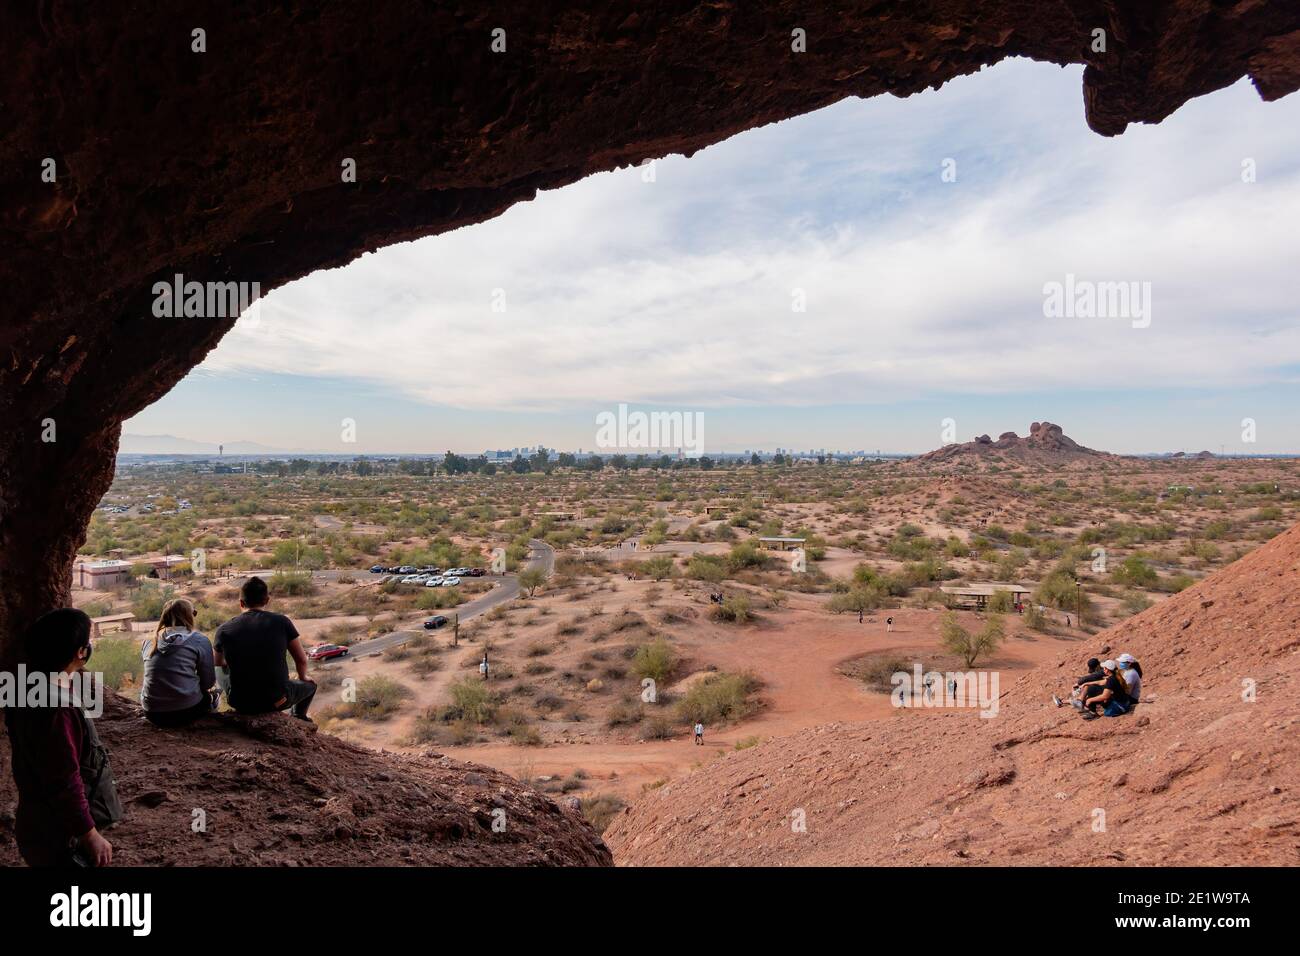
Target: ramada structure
<point x="131" y="152"/>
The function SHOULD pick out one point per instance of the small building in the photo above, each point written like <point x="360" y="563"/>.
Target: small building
<point x="976" y="596"/>
<point x="714" y="511"/>
<point x="781" y="543"/>
<point x="164" y="565"/>
<point x="557" y="516"/>
<point x="101" y="575"/>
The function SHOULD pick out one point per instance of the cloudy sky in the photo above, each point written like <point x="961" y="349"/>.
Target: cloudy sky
<point x="820" y="283"/>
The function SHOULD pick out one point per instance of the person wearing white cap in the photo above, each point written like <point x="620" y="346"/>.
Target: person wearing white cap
<point x="1113" y="699"/>
<point x="1131" y="671"/>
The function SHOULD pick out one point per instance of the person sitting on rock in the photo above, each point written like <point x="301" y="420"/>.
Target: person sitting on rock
<point x="1113" y="699"/>
<point x="251" y="648"/>
<point x="66" y="790"/>
<point x="179" y="672"/>
<point x="1131" y="671"/>
<point x="1092" y="680"/>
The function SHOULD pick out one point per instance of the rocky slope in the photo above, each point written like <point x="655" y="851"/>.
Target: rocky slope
<point x="1046" y="446"/>
<point x="274" y="792"/>
<point x="1200" y="773"/>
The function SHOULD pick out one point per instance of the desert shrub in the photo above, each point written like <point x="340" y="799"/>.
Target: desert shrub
<point x="659" y="568"/>
<point x="600" y="811"/>
<point x="735" y="608"/>
<point x="471" y="699"/>
<point x="718" y="698"/>
<point x="858" y="598"/>
<point x="118" y="659"/>
<point x="148" y="602"/>
<point x="1135" y="572"/>
<point x="706" y="567"/>
<point x="656" y="660"/>
<point x="746" y="554"/>
<point x="624" y="713"/>
<point x="291" y="584"/>
<point x="1000" y="602"/>
<point x="378" y="698"/>
<point x="1135" y="603"/>
<point x="957" y="640"/>
<point x="1034" y="618"/>
<point x="531" y="580"/>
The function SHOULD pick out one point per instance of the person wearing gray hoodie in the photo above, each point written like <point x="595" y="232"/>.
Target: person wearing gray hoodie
<point x="178" y="669"/>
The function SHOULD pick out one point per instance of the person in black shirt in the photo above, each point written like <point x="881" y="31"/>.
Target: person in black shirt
<point x="1084" y="687"/>
<point x="1113" y="697"/>
<point x="252" y="648"/>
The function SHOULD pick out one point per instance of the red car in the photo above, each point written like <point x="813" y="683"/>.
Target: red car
<point x="323" y="652"/>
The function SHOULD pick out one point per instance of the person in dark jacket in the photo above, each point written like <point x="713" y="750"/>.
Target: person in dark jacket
<point x="66" y="791"/>
<point x="179" y="673"/>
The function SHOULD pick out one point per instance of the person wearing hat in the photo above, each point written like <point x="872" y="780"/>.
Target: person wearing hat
<point x="1113" y="698"/>
<point x="1131" y="671"/>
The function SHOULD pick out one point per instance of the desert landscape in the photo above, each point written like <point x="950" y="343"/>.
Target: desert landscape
<point x="636" y="599"/>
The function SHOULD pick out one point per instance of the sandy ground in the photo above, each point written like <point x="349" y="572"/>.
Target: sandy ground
<point x="796" y="652"/>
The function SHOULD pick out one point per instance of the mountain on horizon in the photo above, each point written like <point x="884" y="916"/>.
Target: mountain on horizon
<point x="1046" y="445"/>
<point x="173" y="445"/>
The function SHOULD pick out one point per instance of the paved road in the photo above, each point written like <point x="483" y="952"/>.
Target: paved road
<point x="506" y="590"/>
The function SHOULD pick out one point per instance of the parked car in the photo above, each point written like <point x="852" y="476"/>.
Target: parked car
<point x="408" y="569"/>
<point x="435" y="622"/>
<point x="378" y="569"/>
<point x="450" y="582"/>
<point x="323" y="652"/>
<point x="476" y="572"/>
<point x="435" y="581"/>
<point x="410" y="579"/>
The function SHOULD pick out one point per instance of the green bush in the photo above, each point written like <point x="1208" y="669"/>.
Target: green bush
<point x="719" y="698"/>
<point x="655" y="660"/>
<point x="957" y="640"/>
<point x="148" y="602"/>
<point x="291" y="584"/>
<point x="378" y="698"/>
<point x="734" y="608"/>
<point x="472" y="700"/>
<point x="706" y="567"/>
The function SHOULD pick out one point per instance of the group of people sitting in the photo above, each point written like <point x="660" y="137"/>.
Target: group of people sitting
<point x="1109" y="689"/>
<point x="66" y="791"/>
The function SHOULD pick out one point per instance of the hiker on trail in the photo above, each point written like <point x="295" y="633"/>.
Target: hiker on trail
<point x="1113" y="698"/>
<point x="929" y="687"/>
<point x="699" y="733"/>
<point x="1131" y="671"/>
<point x="179" y="673"/>
<point x="1067" y="620"/>
<point x="251" y="648"/>
<point x="66" y="790"/>
<point x="889" y="624"/>
<point x="859" y="615"/>
<point x="952" y="689"/>
<point x="483" y="666"/>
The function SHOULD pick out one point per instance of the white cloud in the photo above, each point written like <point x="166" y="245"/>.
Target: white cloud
<point x="678" y="292"/>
